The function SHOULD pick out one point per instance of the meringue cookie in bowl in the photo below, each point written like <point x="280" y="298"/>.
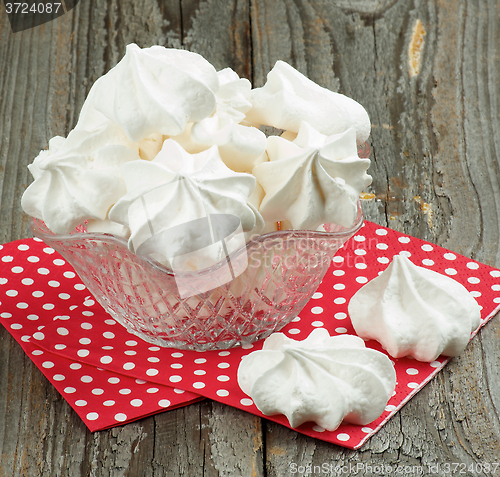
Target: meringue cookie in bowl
<point x="313" y="180"/>
<point x="416" y="312"/>
<point x="288" y="98"/>
<point x="325" y="379"/>
<point x="78" y="177"/>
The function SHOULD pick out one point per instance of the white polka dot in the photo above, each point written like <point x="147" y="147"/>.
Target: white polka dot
<point x="89" y="302"/>
<point x="97" y="391"/>
<point x="38" y="335"/>
<point x="413" y="385"/>
<point x="381" y="232"/>
<point x="92" y="416"/>
<point x="12" y="293"/>
<point x="48" y="306"/>
<point x="86" y="379"/>
<point x="359" y="238"/>
<point x="176" y="365"/>
<point x="382" y="246"/>
<point x="390" y="408"/>
<point x="450" y="271"/>
<point x="475" y="294"/>
<point x="113" y="380"/>
<point x="177" y="355"/>
<point x="106" y="359"/>
<point x="496" y="300"/>
<point x="16" y="326"/>
<point x="33" y="317"/>
<point x="85" y="341"/>
<point x="338" y="273"/>
<point x="48" y="364"/>
<point x="405" y="253"/>
<point x="412" y="371"/>
<point x="27" y="281"/>
<point x="199" y="372"/>
<point x="33" y="259"/>
<point x="360" y="251"/>
<point x="37" y="352"/>
<point x="153" y="359"/>
<point x="37" y="294"/>
<point x="23" y="247"/>
<point x="60" y="346"/>
<point x="337" y="259"/>
<point x="318" y="428"/>
<point x="339" y="301"/>
<point x="43" y="271"/>
<point x="179" y="391"/>
<point x="17" y="269"/>
<point x="124" y="391"/>
<point x="317" y="324"/>
<point x="69" y="390"/>
<point x="164" y="403"/>
<point x="154" y="348"/>
<point x="62" y="331"/>
<point x="131" y="343"/>
<point x="54" y="283"/>
<point x="340" y="316"/>
<point x="224" y="353"/>
<point x="435" y="364"/>
<point x="49" y="250"/>
<point x="79" y="286"/>
<point x="152" y="372"/>
<point x="294" y="331"/>
<point x="7" y="258"/>
<point x="152" y="390"/>
<point x="7" y="315"/>
<point x="108" y="335"/>
<point x="200" y="360"/>
<point x="495" y="287"/>
<point x="495" y="273"/>
<point x="75" y="366"/>
<point x="58" y="377"/>
<point x="198" y="385"/>
<point x="83" y="353"/>
<point x="222" y="378"/>
<point x="366" y="430"/>
<point x="64" y="296"/>
<point x="316" y="310"/>
<point x="108" y="403"/>
<point x="361" y="266"/>
<point x="222" y="392"/>
<point x="343" y="437"/>
<point x="472" y="265"/>
<point x="80" y="402"/>
<point x="450" y="256"/>
<point x="383" y="260"/>
<point x="338" y="286"/>
<point x="120" y="417"/>
<point x="223" y="365"/>
<point x="473" y="280"/>
<point x="246" y="402"/>
<point x="109" y="322"/>
<point x="175" y="379"/>
<point x="428" y="262"/>
<point x="130" y="352"/>
<point x="136" y="402"/>
<point x="58" y="262"/>
<point x="128" y="366"/>
<point x="341" y="330"/>
<point x="140" y="381"/>
<point x="404" y="239"/>
<point x="361" y="279"/>
<point x="247" y="346"/>
<point x="317" y="295"/>
<point x="22" y="306"/>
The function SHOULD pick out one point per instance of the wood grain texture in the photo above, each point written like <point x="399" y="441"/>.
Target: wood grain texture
<point x="435" y="152"/>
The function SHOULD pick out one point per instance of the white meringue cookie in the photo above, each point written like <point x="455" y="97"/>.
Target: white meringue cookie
<point x="156" y="90"/>
<point x="313" y="180"/>
<point x="288" y="97"/>
<point x="177" y="188"/>
<point x="241" y="147"/>
<point x="413" y="311"/>
<point x="325" y="379"/>
<point x="78" y="178"/>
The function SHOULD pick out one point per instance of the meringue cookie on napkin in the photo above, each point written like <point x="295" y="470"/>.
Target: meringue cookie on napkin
<point x="78" y="177"/>
<point x="289" y="97"/>
<point x="313" y="180"/>
<point x="414" y="311"/>
<point x="154" y="90"/>
<point x="325" y="379"/>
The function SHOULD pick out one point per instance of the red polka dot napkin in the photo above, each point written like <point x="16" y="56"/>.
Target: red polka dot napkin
<point x="111" y="377"/>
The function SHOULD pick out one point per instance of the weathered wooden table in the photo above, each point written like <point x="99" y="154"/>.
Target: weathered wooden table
<point x="428" y="74"/>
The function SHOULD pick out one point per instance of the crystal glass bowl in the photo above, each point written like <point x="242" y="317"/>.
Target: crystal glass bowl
<point x="284" y="270"/>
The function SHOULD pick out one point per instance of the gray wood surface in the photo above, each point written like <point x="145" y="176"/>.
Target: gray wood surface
<point x="435" y="151"/>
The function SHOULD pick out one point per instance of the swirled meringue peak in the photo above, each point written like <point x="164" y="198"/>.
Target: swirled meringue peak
<point x="156" y="90"/>
<point x="176" y="189"/>
<point x="313" y="180"/>
<point x="241" y="147"/>
<point x="325" y="379"/>
<point x="78" y="177"/>
<point x="288" y="98"/>
<point x="413" y="311"/>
